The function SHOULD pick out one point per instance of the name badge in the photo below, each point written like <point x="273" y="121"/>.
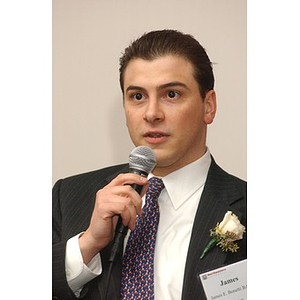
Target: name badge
<point x="226" y="283"/>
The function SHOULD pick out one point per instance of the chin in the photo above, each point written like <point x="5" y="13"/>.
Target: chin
<point x="163" y="161"/>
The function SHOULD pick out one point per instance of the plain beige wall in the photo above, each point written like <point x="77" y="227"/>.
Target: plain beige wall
<point x="89" y="129"/>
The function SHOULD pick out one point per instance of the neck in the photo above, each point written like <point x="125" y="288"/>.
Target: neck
<point x="162" y="171"/>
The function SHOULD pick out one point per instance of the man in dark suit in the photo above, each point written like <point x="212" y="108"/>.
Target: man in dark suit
<point x="167" y="83"/>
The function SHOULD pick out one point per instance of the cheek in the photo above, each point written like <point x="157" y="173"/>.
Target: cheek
<point x="129" y="116"/>
<point x="189" y="120"/>
<point x="133" y="122"/>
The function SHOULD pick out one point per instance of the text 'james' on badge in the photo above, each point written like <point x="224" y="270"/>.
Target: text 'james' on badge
<point x="226" y="283"/>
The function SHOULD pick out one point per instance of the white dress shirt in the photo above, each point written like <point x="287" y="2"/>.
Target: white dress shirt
<point x="178" y="204"/>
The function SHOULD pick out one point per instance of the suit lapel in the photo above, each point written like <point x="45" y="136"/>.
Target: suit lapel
<point x="218" y="195"/>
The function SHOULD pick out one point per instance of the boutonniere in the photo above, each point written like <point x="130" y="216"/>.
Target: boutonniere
<point x="225" y="234"/>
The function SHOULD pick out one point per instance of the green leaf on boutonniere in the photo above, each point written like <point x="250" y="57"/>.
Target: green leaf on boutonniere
<point x="225" y="234"/>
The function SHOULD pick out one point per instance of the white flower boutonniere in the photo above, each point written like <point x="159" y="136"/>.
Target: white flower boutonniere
<point x="226" y="233"/>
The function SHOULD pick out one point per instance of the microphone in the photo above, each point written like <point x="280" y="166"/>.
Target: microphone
<point x="142" y="161"/>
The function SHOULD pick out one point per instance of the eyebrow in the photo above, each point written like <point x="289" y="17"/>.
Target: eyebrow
<point x="160" y="87"/>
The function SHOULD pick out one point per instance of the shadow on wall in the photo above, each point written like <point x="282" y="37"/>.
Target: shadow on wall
<point x="120" y="143"/>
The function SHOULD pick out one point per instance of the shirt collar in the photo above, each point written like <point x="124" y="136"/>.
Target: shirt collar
<point x="183" y="183"/>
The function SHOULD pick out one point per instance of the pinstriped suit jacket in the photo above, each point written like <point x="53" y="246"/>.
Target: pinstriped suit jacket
<point x="73" y="203"/>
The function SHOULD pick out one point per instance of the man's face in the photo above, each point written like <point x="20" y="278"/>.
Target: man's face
<point x="164" y="110"/>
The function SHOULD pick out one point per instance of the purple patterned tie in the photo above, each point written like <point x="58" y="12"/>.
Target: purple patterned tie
<point x="138" y="261"/>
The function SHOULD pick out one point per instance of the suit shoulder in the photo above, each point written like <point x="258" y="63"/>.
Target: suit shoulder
<point x="238" y="181"/>
<point x="219" y="175"/>
<point x="97" y="175"/>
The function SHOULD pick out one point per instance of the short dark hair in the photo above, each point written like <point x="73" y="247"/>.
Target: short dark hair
<point x="160" y="43"/>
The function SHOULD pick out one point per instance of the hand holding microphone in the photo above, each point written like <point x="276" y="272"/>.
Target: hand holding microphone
<point x="119" y="198"/>
<point x="141" y="161"/>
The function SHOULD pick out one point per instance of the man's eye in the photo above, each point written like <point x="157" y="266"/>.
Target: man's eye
<point x="138" y="96"/>
<point x="172" y="94"/>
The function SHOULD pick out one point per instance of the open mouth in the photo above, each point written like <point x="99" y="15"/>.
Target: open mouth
<point x="155" y="136"/>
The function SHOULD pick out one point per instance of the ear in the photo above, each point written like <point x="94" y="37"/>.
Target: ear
<point x="210" y="107"/>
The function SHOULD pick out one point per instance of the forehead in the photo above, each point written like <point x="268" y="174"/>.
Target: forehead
<point x="159" y="70"/>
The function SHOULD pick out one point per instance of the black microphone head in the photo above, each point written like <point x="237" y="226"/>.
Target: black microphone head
<point x="142" y="158"/>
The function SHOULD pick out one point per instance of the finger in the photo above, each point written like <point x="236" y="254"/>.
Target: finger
<point x="116" y="199"/>
<point x="128" y="179"/>
<point x="126" y="210"/>
<point x="112" y="194"/>
<point x="144" y="190"/>
<point x="129" y="218"/>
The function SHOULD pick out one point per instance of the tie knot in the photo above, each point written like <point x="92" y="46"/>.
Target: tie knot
<point x="155" y="187"/>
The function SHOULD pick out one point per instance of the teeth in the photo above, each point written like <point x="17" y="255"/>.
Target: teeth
<point x="155" y="135"/>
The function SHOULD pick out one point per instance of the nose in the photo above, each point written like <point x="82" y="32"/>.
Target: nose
<point x="154" y="112"/>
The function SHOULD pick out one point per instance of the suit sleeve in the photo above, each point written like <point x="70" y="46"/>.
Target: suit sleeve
<point x="60" y="287"/>
<point x="73" y="204"/>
